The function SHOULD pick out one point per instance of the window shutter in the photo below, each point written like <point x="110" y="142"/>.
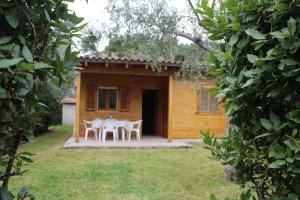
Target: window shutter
<point x="213" y="104"/>
<point x="203" y="100"/>
<point x="91" y="98"/>
<point x="124" y="99"/>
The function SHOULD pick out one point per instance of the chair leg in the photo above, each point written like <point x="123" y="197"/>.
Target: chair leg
<point x="95" y="134"/>
<point x="114" y="136"/>
<point x="103" y="136"/>
<point x="138" y="136"/>
<point x="86" y="135"/>
<point x="100" y="135"/>
<point x="129" y="135"/>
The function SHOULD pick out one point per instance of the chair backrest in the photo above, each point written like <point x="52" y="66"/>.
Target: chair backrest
<point x="109" y="125"/>
<point x="86" y="123"/>
<point x="137" y="124"/>
<point x="97" y="123"/>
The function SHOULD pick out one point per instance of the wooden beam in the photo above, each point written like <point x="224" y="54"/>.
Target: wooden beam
<point x="77" y="121"/>
<point x="170" y="109"/>
<point x="113" y="69"/>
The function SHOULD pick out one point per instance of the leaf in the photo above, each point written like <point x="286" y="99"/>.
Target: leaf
<point x="5" y="39"/>
<point x="26" y="158"/>
<point x="294" y="116"/>
<point x="289" y="62"/>
<point x="5" y="194"/>
<point x="276" y="151"/>
<point x="23" y="193"/>
<point x="27" y="54"/>
<point x="234" y="39"/>
<point x="235" y="26"/>
<point x="41" y="65"/>
<point x="255" y="34"/>
<point x="3" y="94"/>
<point x="274" y="165"/>
<point x="12" y="17"/>
<point x="278" y="35"/>
<point x="5" y="63"/>
<point x="292" y="26"/>
<point x="27" y="66"/>
<point x="266" y="123"/>
<point x="252" y="58"/>
<point x="275" y="119"/>
<point x="249" y="82"/>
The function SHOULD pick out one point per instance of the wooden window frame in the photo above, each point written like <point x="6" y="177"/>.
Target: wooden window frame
<point x="117" y="99"/>
<point x="208" y="103"/>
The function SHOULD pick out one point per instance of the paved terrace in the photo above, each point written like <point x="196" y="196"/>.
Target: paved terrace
<point x="147" y="142"/>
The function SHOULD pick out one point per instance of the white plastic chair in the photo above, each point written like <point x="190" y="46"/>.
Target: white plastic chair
<point x="109" y="126"/>
<point x="134" y="127"/>
<point x="123" y="126"/>
<point x="88" y="127"/>
<point x="97" y="124"/>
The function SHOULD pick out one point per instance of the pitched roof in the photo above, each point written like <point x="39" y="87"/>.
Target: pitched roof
<point x="119" y="60"/>
<point x="69" y="100"/>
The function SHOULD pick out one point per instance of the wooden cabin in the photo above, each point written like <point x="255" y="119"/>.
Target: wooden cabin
<point x="170" y="106"/>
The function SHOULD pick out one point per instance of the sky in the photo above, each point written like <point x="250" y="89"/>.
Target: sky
<point x="94" y="12"/>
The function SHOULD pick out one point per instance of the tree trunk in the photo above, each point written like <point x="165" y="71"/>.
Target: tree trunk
<point x="12" y="155"/>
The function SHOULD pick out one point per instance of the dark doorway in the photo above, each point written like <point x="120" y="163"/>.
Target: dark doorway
<point x="150" y="112"/>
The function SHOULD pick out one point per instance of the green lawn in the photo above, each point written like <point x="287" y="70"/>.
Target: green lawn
<point x="81" y="174"/>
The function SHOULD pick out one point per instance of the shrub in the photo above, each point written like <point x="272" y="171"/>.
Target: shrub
<point x="258" y="74"/>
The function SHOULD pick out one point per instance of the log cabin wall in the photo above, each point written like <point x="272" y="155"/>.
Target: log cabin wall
<point x="187" y="121"/>
<point x="181" y="120"/>
<point x="90" y="82"/>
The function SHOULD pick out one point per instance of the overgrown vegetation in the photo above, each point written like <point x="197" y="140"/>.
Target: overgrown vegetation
<point x="257" y="69"/>
<point x="35" y="46"/>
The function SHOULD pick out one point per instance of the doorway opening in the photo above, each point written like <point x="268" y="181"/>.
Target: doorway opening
<point x="151" y="112"/>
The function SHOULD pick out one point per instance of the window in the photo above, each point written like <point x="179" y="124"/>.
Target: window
<point x="207" y="103"/>
<point x="107" y="98"/>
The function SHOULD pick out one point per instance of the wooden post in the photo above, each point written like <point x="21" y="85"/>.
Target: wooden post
<point x="170" y="109"/>
<point x="78" y="88"/>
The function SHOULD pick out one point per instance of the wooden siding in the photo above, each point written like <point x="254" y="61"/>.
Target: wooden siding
<point x="187" y="122"/>
<point x="178" y="105"/>
<point x="135" y="86"/>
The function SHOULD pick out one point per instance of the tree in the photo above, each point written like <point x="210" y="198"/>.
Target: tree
<point x="257" y="69"/>
<point x="32" y="35"/>
<point x="159" y="19"/>
<point x="141" y="46"/>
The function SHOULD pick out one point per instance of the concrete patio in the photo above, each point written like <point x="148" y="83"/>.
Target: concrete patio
<point x="147" y="142"/>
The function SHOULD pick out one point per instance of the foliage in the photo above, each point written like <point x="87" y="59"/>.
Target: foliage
<point x="258" y="72"/>
<point x="52" y="110"/>
<point x="33" y="36"/>
<point x="155" y="27"/>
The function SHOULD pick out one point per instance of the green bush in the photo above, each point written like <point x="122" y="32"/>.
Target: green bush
<point x="51" y="114"/>
<point x="258" y="74"/>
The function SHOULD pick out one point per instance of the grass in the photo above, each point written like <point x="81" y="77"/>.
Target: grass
<point x="82" y="174"/>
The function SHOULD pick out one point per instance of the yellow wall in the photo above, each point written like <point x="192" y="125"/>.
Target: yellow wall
<point x="187" y="122"/>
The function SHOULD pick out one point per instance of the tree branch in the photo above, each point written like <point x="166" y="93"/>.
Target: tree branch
<point x="197" y="16"/>
<point x="197" y="40"/>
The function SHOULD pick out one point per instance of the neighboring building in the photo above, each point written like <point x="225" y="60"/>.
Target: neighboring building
<point x="169" y="106"/>
<point x="68" y="111"/>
